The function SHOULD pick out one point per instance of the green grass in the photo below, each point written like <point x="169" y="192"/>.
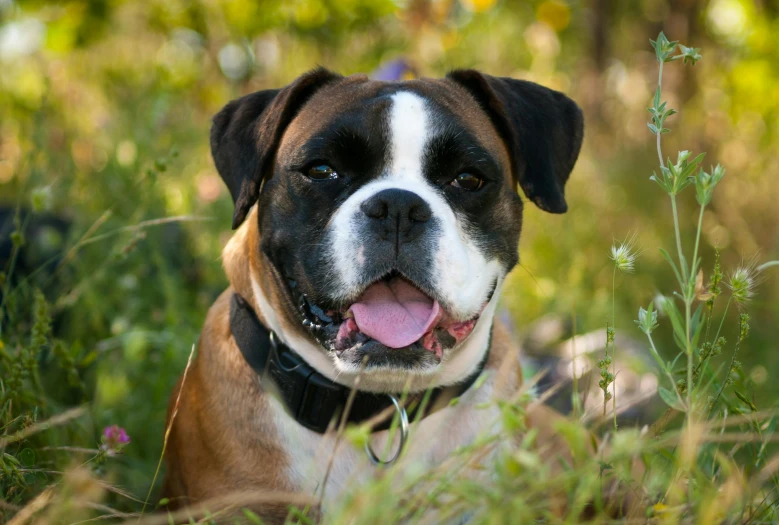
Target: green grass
<point x="107" y="127"/>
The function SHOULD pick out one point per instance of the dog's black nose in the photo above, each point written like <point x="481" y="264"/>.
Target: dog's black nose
<point x="397" y="215"/>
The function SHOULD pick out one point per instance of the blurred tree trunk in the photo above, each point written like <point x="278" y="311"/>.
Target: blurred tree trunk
<point x="601" y="25"/>
<point x="594" y="78"/>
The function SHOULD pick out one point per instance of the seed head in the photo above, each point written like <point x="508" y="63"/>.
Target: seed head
<point x="742" y="283"/>
<point x="624" y="255"/>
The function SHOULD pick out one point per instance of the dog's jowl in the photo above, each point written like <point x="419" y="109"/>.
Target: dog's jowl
<point x="375" y="223"/>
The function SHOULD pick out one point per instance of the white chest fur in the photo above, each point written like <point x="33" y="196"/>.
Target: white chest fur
<point x="431" y="441"/>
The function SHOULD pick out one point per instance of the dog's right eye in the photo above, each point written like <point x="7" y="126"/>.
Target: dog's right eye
<point x="322" y="172"/>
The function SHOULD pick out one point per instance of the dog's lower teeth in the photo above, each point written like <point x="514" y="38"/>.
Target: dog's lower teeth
<point x="311" y="325"/>
<point x="314" y="318"/>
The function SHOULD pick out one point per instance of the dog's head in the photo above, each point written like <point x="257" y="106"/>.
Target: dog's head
<point x="388" y="213"/>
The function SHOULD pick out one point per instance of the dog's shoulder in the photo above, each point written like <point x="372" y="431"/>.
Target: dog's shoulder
<point x="208" y="454"/>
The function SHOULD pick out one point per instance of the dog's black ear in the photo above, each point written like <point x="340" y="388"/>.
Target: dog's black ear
<point x="542" y="129"/>
<point x="246" y="133"/>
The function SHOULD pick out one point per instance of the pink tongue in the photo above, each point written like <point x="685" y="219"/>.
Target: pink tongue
<point x="395" y="313"/>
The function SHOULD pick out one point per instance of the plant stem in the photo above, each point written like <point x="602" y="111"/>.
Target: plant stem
<point x="14" y="256"/>
<point x="767" y="265"/>
<point x="575" y="395"/>
<point x="687" y="301"/>
<point x="697" y="242"/>
<point x="727" y="375"/>
<point x="613" y="343"/>
<point x="687" y="307"/>
<point x="714" y="341"/>
<point x="722" y="321"/>
<point x="682" y="262"/>
<point x="662" y="366"/>
<point x="677" y="231"/>
<point x="689" y="296"/>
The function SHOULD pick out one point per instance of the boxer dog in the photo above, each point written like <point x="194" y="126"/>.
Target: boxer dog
<point x="376" y="222"/>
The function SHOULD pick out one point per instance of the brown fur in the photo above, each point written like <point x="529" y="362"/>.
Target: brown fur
<point x="223" y="439"/>
<point x="212" y="450"/>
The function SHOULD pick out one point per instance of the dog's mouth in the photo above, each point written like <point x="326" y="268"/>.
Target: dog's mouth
<point x="391" y="317"/>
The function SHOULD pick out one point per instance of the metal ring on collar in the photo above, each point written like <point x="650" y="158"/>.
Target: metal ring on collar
<point x="274" y="353"/>
<point x="403" y="436"/>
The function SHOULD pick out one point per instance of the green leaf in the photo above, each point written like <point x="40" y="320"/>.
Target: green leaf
<point x="670" y="399"/>
<point x="745" y="400"/>
<point x="647" y="319"/>
<point x="27" y="457"/>
<point x="301" y="515"/>
<point x="668" y="307"/>
<point x="689" y="54"/>
<point x="9" y="457"/>
<point x="663" y="48"/>
<point x="88" y="359"/>
<point x="479" y="381"/>
<point x="713" y="378"/>
<point x="252" y="517"/>
<point x="672" y="364"/>
<point x="673" y="265"/>
<point x="694" y="162"/>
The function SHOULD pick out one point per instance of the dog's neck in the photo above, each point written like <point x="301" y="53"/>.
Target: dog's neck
<point x="242" y="260"/>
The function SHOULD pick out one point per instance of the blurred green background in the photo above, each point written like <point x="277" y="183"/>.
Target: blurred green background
<point x="105" y="108"/>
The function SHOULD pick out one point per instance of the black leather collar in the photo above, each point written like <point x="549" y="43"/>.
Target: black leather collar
<point x="310" y="397"/>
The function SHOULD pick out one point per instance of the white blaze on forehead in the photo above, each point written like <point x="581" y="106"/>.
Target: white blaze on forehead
<point x="409" y="134"/>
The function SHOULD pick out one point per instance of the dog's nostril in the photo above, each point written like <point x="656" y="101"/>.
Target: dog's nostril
<point x="375" y="208"/>
<point x="420" y="213"/>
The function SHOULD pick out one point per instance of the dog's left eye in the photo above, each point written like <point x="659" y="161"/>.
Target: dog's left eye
<point x="322" y="172"/>
<point x="468" y="182"/>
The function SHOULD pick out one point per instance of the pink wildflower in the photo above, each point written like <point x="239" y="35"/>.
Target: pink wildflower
<point x="114" y="439"/>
